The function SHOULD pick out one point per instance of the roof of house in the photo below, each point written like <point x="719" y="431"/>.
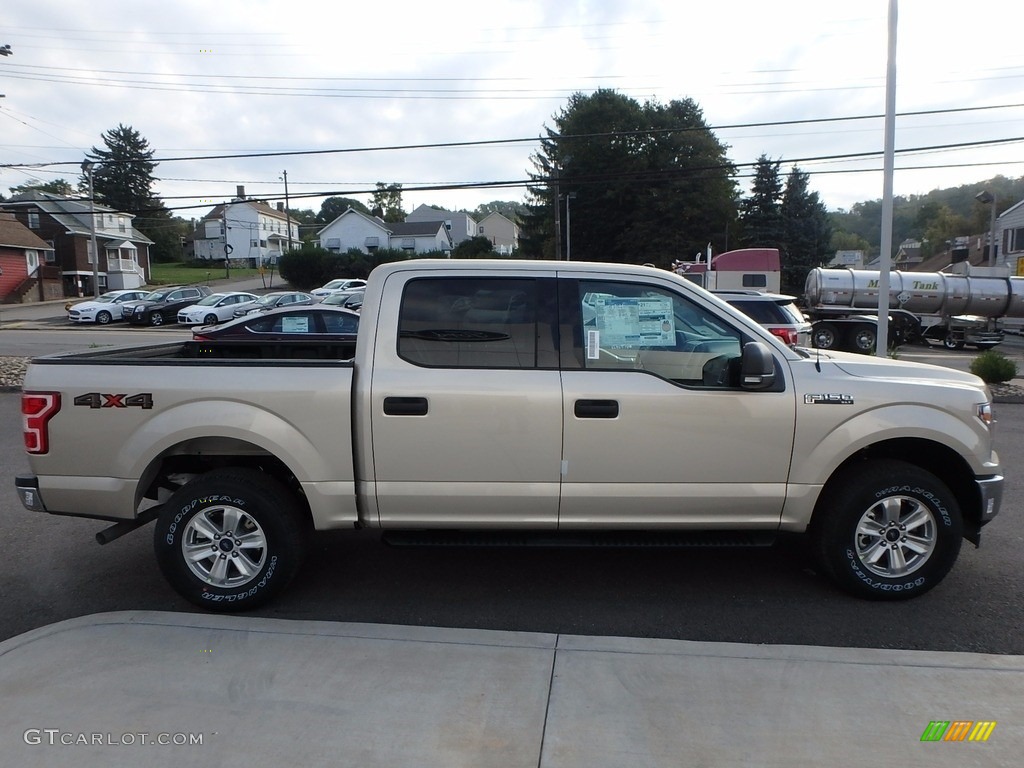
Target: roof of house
<point x="74" y="215"/>
<point x="14" y="234"/>
<point x="413" y="228"/>
<point x="217" y="211"/>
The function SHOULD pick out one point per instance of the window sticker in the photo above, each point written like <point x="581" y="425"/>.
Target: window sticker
<point x="295" y="324"/>
<point x="635" y="322"/>
<point x="593" y="345"/>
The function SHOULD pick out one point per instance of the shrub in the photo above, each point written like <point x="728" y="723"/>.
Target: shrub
<point x="993" y="367"/>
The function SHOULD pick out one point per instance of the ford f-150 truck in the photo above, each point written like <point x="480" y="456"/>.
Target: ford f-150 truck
<point x="524" y="401"/>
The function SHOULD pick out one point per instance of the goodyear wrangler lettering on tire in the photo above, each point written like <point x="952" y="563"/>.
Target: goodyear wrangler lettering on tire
<point x="231" y="539"/>
<point x="886" y="530"/>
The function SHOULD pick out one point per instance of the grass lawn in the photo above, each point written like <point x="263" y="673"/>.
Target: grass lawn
<point x="183" y="274"/>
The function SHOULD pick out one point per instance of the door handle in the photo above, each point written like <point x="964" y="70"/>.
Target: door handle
<point x="405" y="406"/>
<point x="596" y="409"/>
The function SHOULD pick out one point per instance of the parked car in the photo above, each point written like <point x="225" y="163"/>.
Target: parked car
<point x="341" y="284"/>
<point x="352" y="299"/>
<point x="103" y="309"/>
<point x="216" y="308"/>
<point x="287" y="323"/>
<point x="274" y="300"/>
<point x="776" y="312"/>
<point x="161" y="306"/>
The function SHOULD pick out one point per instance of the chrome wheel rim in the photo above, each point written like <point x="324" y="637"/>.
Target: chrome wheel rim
<point x="224" y="546"/>
<point x="896" y="536"/>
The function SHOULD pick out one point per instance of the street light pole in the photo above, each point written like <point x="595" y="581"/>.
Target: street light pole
<point x="87" y="169"/>
<point x="568" y="243"/>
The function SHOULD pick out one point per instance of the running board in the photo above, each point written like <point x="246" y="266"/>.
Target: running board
<point x="556" y="539"/>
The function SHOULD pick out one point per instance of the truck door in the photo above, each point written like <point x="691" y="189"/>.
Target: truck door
<point x="466" y="404"/>
<point x="658" y="432"/>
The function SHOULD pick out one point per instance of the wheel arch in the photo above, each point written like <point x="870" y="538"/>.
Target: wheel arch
<point x="940" y="460"/>
<point x="197" y="456"/>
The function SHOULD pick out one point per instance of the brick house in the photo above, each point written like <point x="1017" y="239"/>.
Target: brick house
<point x="63" y="223"/>
<point x="24" y="273"/>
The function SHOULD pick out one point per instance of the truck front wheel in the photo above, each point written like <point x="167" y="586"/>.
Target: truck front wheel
<point x="887" y="530"/>
<point x="230" y="539"/>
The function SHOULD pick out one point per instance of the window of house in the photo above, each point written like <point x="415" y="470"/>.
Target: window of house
<point x="121" y="225"/>
<point x="263" y="243"/>
<point x="468" y="322"/>
<point x="628" y="326"/>
<point x="33" y="220"/>
<point x="1016" y="239"/>
<point x="50" y="257"/>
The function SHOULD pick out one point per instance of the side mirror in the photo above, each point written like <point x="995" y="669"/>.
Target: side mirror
<point x="758" y="367"/>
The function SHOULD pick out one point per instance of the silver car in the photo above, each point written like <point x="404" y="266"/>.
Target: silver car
<point x="216" y="308"/>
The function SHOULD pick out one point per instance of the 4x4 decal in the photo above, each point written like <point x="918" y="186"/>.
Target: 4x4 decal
<point x="142" y="400"/>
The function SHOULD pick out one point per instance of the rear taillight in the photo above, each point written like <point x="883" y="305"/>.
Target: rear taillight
<point x="37" y="408"/>
<point x="788" y="335"/>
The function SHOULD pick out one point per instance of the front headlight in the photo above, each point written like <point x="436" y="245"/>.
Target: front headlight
<point x="985" y="414"/>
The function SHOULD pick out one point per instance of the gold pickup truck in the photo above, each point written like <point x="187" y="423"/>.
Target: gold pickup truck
<point x="557" y="401"/>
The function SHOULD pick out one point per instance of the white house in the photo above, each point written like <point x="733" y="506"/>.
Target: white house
<point x="461" y="226"/>
<point x="255" y="231"/>
<point x="353" y="229"/>
<point x="501" y="231"/>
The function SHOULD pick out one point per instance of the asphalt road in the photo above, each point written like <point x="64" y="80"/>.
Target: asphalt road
<point x="52" y="569"/>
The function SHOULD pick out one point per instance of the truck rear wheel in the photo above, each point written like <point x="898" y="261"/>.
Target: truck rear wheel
<point x="826" y="336"/>
<point x="952" y="341"/>
<point x="230" y="539"/>
<point x="864" y="338"/>
<point x="887" y="530"/>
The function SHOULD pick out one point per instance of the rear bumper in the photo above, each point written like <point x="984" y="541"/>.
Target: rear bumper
<point x="28" y="492"/>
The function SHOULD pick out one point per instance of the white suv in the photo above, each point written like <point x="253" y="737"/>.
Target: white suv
<point x="776" y="312"/>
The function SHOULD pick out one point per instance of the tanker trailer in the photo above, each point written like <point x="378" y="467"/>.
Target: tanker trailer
<point x="953" y="310"/>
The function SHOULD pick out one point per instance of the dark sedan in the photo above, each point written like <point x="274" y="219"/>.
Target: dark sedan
<point x="275" y="300"/>
<point x="304" y="323"/>
<point x="162" y="305"/>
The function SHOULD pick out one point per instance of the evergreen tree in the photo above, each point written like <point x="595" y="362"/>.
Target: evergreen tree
<point x="123" y="180"/>
<point x="761" y="213"/>
<point x="123" y="175"/>
<point x="807" y="231"/>
<point x="633" y="183"/>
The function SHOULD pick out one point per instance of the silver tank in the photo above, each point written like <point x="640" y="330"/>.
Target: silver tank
<point x="923" y="293"/>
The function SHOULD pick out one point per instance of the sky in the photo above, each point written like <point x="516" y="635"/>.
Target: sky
<point x="359" y="91"/>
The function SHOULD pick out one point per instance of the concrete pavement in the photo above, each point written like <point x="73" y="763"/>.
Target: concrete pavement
<point x="105" y="690"/>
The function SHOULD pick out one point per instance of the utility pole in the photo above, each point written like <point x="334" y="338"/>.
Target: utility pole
<point x="287" y="213"/>
<point x="227" y="245"/>
<point x="87" y="165"/>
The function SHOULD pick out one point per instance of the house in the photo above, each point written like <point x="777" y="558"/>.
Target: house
<point x="501" y="231"/>
<point x="353" y="229"/>
<point x="1010" y="236"/>
<point x="461" y="226"/>
<point x="26" y="271"/>
<point x="908" y="255"/>
<point x="256" y="232"/>
<point x="64" y="224"/>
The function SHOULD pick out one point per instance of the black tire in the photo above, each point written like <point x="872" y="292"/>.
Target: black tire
<point x="949" y="341"/>
<point x="864" y="338"/>
<point x="156" y="318"/>
<point x="887" y="530"/>
<point x="253" y="528"/>
<point x="103" y="318"/>
<point x="210" y="319"/>
<point x="826" y="336"/>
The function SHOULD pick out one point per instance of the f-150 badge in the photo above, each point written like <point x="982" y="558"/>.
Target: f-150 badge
<point x="828" y="399"/>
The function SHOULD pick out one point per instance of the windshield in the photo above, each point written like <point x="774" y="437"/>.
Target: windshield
<point x="210" y="300"/>
<point x="154" y="296"/>
<point x="269" y="299"/>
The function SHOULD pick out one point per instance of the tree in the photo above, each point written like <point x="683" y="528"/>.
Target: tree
<point x="807" y="230"/>
<point x="56" y="187"/>
<point x="388" y="198"/>
<point x="333" y="207"/>
<point x="633" y="183"/>
<point x="511" y="210"/>
<point x="123" y="175"/>
<point x="761" y="213"/>
<point x="474" y="248"/>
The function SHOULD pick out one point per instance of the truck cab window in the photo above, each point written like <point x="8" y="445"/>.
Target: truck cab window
<point x="470" y="323"/>
<point x="632" y="326"/>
